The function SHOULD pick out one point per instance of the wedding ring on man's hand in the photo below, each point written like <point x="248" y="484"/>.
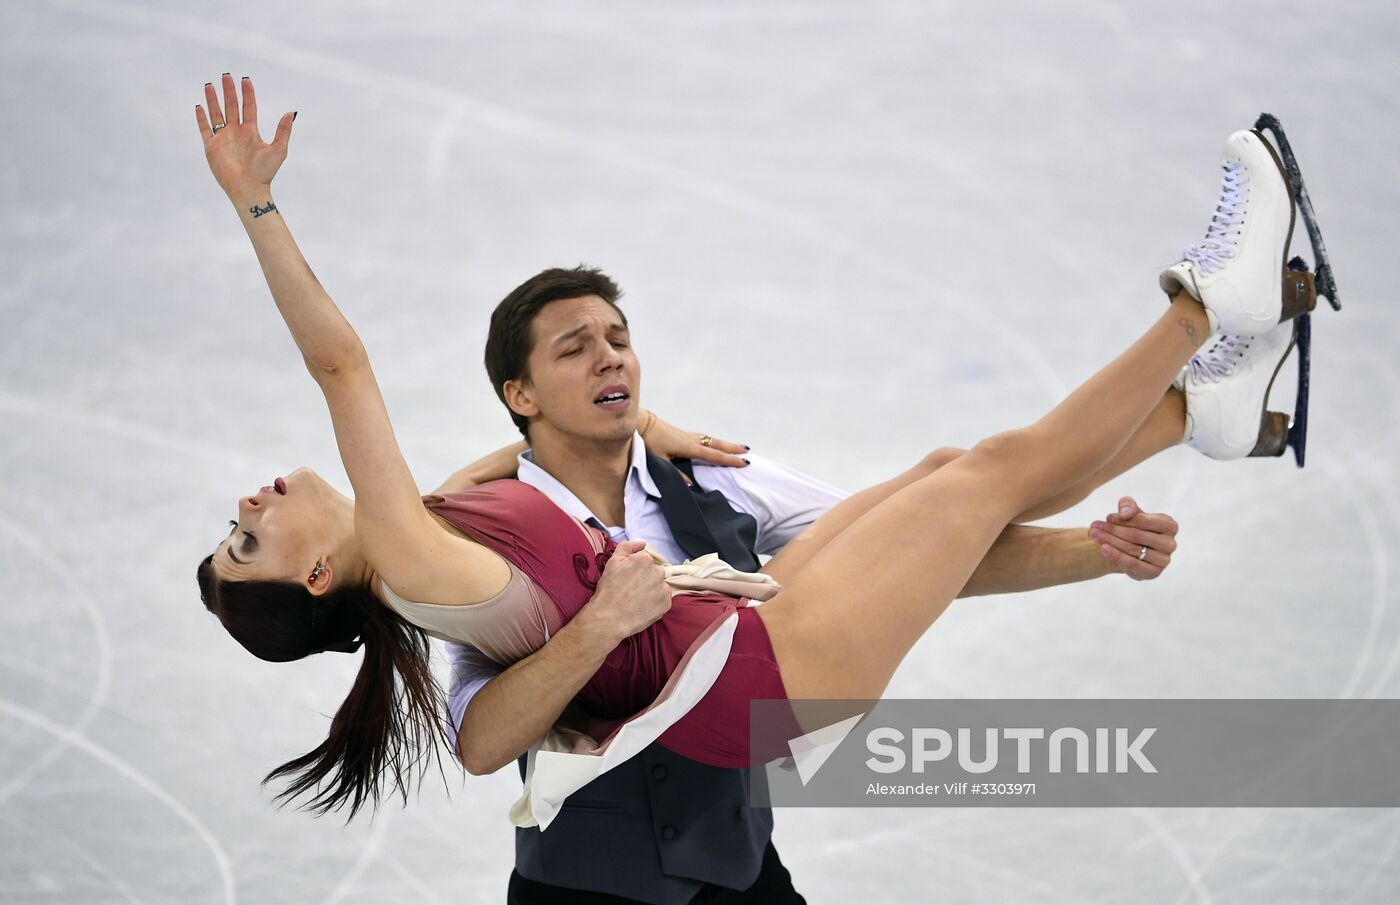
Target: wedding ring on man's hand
<point x="706" y="440"/>
<point x="1142" y="556"/>
<point x="218" y="126"/>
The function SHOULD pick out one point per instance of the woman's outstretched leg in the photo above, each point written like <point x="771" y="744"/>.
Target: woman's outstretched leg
<point x="799" y="551"/>
<point x="846" y="620"/>
<point x="1162" y="430"/>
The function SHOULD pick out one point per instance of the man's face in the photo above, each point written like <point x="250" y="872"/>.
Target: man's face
<point x="584" y="380"/>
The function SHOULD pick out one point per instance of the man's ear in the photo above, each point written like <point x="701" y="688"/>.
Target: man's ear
<point x="518" y="398"/>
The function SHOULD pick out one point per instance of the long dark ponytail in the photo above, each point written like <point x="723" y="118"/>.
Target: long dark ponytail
<point x="384" y="734"/>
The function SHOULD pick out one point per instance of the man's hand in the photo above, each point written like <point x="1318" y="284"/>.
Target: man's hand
<point x="1126" y="532"/>
<point x="631" y="595"/>
<point x="516" y="708"/>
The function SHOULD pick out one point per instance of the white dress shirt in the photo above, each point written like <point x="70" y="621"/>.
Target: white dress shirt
<point x="781" y="500"/>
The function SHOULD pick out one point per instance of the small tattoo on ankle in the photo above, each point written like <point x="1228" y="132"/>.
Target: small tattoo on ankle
<point x="1189" y="327"/>
<point x="259" y="211"/>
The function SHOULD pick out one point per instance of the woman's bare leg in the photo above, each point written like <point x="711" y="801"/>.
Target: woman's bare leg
<point x="1162" y="430"/>
<point x="844" y="622"/>
<point x="800" y="550"/>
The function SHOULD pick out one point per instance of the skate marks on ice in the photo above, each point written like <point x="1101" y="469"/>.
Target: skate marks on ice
<point x="457" y="105"/>
<point x="139" y="780"/>
<point x="59" y="574"/>
<point x="427" y="853"/>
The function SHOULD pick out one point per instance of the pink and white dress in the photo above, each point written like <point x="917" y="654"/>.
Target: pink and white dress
<point x="685" y="681"/>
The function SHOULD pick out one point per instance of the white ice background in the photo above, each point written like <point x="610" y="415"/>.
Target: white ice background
<point x="849" y="233"/>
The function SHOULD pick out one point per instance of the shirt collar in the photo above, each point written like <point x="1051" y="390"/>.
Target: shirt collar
<point x="639" y="470"/>
<point x="530" y="473"/>
<point x="535" y="476"/>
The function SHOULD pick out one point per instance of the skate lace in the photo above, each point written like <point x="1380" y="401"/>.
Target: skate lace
<point x="1219" y="359"/>
<point x="1219" y="244"/>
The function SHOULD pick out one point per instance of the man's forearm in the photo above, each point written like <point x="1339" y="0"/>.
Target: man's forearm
<point x="496" y="729"/>
<point x="1026" y="558"/>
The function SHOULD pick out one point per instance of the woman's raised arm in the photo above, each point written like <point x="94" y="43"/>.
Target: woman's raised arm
<point x="244" y="166"/>
<point x="398" y="536"/>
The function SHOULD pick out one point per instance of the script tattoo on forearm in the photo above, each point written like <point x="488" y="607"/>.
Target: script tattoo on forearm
<point x="259" y="211"/>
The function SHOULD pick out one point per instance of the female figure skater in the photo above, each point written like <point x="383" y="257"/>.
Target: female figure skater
<point x="307" y="569"/>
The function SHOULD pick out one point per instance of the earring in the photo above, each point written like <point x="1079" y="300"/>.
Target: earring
<point x="319" y="571"/>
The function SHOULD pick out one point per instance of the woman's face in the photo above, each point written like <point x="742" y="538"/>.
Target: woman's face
<point x="284" y="529"/>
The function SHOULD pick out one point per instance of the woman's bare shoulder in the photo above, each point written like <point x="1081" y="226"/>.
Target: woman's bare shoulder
<point x="434" y="562"/>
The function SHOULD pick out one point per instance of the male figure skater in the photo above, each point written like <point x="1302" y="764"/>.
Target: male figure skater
<point x="661" y="828"/>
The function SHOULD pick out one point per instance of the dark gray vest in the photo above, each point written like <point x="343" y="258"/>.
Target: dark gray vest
<point x="659" y="826"/>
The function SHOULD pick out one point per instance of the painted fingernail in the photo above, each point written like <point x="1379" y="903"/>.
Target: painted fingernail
<point x="747" y="462"/>
<point x="208" y="84"/>
<point x="245" y="78"/>
<point x="228" y="73"/>
<point x="294" y="116"/>
<point x="747" y="447"/>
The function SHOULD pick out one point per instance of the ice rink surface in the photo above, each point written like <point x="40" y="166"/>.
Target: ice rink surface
<point x="848" y="234"/>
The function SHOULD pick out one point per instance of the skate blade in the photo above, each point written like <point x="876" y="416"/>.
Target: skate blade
<point x="1298" y="433"/>
<point x="1322" y="273"/>
<point x="1276" y="434"/>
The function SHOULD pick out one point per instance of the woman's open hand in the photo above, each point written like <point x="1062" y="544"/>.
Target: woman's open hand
<point x="237" y="155"/>
<point x="672" y="443"/>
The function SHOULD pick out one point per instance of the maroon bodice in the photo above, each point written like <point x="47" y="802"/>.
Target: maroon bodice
<point x="559" y="553"/>
<point x="566" y="559"/>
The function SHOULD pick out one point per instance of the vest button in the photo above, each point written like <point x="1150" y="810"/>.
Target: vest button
<point x="659" y="771"/>
<point x="668" y="833"/>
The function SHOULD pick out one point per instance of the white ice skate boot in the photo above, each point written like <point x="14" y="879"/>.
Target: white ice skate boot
<point x="1227" y="388"/>
<point x="1238" y="271"/>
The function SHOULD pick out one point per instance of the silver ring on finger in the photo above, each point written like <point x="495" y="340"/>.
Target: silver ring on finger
<point x="1142" y="554"/>
<point x="218" y="126"/>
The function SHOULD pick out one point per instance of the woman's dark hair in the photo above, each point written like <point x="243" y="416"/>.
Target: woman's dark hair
<point x="392" y="715"/>
<point x="509" y="341"/>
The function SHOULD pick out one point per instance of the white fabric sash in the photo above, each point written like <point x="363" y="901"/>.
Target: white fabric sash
<point x="566" y="760"/>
